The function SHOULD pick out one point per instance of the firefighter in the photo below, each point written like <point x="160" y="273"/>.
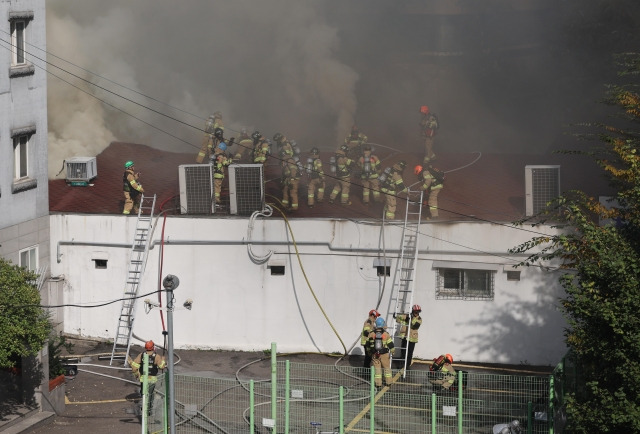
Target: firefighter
<point x="413" y="322"/>
<point x="316" y="178"/>
<point x="429" y="125"/>
<point x="369" y="166"/>
<point x="219" y="161"/>
<point x="156" y="363"/>
<point x="381" y="344"/>
<point x="132" y="188"/>
<point x="354" y="141"/>
<point x="290" y="179"/>
<point x="260" y="148"/>
<point x="343" y="166"/>
<point x="392" y="186"/>
<point x="214" y="130"/>
<point x="245" y="142"/>
<point x="283" y="144"/>
<point x="444" y="373"/>
<point x="368" y="326"/>
<point x="432" y="182"/>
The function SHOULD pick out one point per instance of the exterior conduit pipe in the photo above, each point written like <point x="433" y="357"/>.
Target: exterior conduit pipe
<point x="243" y="242"/>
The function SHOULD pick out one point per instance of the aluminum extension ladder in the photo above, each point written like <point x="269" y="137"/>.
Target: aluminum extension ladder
<point x="404" y="274"/>
<point x="137" y="264"/>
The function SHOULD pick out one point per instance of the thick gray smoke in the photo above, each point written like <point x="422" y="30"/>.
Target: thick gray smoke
<point x="501" y="78"/>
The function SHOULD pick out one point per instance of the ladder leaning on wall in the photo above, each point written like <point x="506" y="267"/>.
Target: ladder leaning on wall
<point x="137" y="264"/>
<point x="404" y="274"/>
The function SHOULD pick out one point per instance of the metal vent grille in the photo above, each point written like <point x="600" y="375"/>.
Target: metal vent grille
<point x="196" y="188"/>
<point x="246" y="188"/>
<point x="542" y="185"/>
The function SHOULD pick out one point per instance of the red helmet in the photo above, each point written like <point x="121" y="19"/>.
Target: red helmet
<point x="416" y="307"/>
<point x="424" y="109"/>
<point x="449" y="358"/>
<point x="374" y="313"/>
<point x="149" y="346"/>
<point x="417" y="170"/>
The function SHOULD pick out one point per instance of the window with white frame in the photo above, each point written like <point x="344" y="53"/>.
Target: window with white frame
<point x="29" y="258"/>
<point x="20" y="156"/>
<point x="464" y="283"/>
<point x="18" y="32"/>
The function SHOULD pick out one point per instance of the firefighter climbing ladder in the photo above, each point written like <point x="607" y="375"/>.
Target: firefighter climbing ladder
<point x="404" y="274"/>
<point x="137" y="264"/>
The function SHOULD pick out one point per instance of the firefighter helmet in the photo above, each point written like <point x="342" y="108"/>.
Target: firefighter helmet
<point x="417" y="170"/>
<point x="344" y="148"/>
<point x="380" y="323"/>
<point x="277" y="137"/>
<point x="222" y="146"/>
<point x="374" y="313"/>
<point x="366" y="147"/>
<point x="449" y="358"/>
<point x="416" y="307"/>
<point x="149" y="346"/>
<point x="218" y="132"/>
<point x="424" y="109"/>
<point x="256" y="135"/>
<point x="128" y="164"/>
<point x="315" y="151"/>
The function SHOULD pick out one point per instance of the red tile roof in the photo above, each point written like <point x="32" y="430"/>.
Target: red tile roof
<point x="489" y="187"/>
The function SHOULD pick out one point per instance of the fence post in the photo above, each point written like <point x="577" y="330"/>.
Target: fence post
<point x="550" y="409"/>
<point x="433" y="413"/>
<point x="251" y="408"/>
<point x="529" y="417"/>
<point x="341" y="411"/>
<point x="372" y="392"/>
<point x="286" y="397"/>
<point x="274" y="387"/>
<point x="145" y="390"/>
<point x="460" y="401"/>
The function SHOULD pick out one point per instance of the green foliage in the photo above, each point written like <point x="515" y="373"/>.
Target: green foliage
<point x="56" y="363"/>
<point x="602" y="278"/>
<point x="24" y="325"/>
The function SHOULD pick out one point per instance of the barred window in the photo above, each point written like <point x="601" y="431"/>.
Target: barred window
<point x="463" y="284"/>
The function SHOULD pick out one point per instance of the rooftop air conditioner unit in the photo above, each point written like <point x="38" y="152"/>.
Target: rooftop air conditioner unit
<point x="196" y="189"/>
<point x="542" y="184"/>
<point x="246" y="188"/>
<point x="81" y="170"/>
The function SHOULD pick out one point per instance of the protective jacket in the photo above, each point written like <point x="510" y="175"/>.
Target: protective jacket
<point x="156" y="363"/>
<point x="130" y="183"/>
<point x="413" y="322"/>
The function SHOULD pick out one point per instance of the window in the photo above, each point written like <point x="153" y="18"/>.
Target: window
<point x="18" y="28"/>
<point x="464" y="284"/>
<point x="20" y="152"/>
<point x="100" y="263"/>
<point x="29" y="258"/>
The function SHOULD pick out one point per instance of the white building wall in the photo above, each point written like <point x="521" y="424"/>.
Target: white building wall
<point x="238" y="304"/>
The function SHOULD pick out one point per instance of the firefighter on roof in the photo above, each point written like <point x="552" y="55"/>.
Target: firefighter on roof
<point x="429" y="125"/>
<point x="316" y="178"/>
<point x="260" y="148"/>
<point x="245" y="144"/>
<point x="369" y="165"/>
<point x="219" y="161"/>
<point x="214" y="130"/>
<point x="432" y="183"/>
<point x="381" y="344"/>
<point x="290" y="179"/>
<point x="156" y="363"/>
<point x="392" y="185"/>
<point x="354" y="141"/>
<point x="343" y="165"/>
<point x="132" y="188"/>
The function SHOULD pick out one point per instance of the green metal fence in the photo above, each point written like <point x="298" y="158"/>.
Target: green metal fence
<point x="330" y="398"/>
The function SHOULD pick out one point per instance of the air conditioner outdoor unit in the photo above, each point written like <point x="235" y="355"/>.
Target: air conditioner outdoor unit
<point x="542" y="184"/>
<point x="246" y="188"/>
<point x="81" y="170"/>
<point x="196" y="189"/>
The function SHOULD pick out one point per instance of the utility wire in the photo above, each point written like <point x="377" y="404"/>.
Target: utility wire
<point x="202" y="130"/>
